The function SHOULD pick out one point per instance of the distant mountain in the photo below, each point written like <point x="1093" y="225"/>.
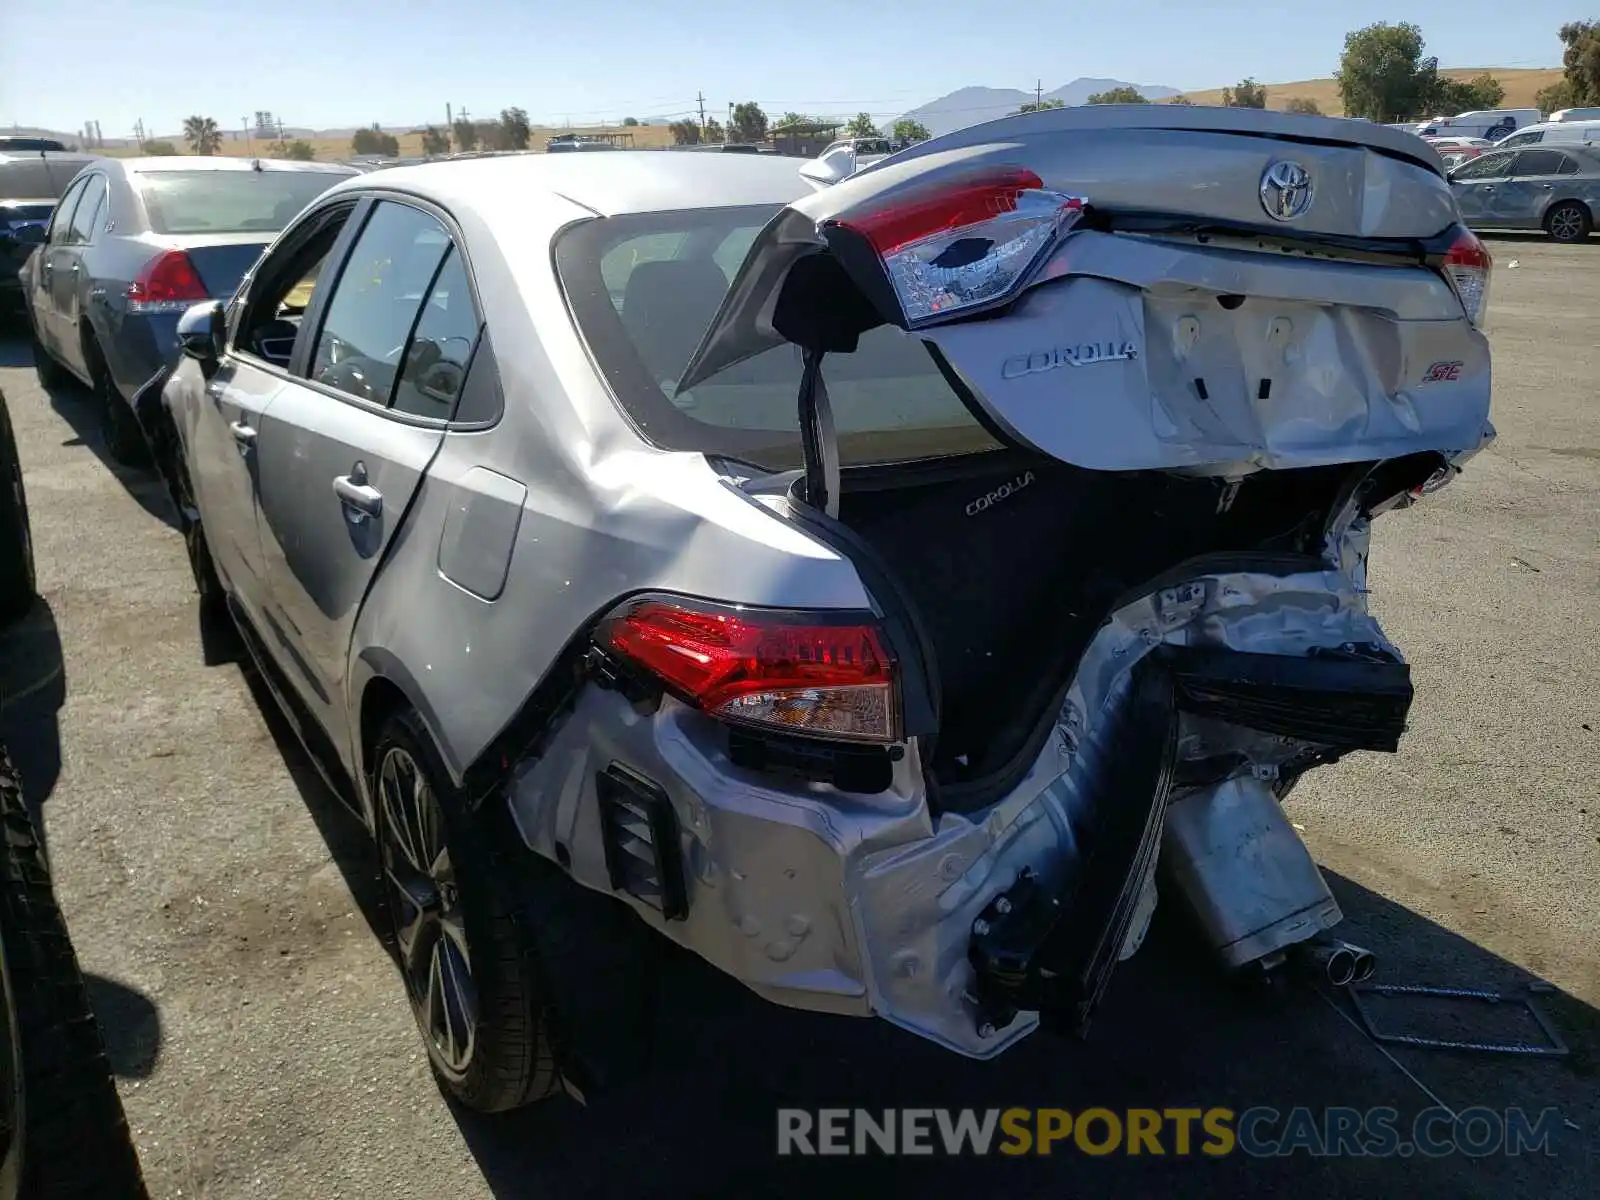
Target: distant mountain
<point x="973" y="105"/>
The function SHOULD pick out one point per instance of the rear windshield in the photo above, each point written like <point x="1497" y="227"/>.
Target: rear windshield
<point x="181" y="202"/>
<point x="644" y="288"/>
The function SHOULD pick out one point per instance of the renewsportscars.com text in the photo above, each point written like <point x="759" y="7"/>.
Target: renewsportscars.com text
<point x="1259" y="1132"/>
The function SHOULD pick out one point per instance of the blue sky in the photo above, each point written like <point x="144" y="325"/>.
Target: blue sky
<point x="331" y="63"/>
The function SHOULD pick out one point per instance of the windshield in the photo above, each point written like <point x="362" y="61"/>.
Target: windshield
<point x="645" y="288"/>
<point x="180" y="202"/>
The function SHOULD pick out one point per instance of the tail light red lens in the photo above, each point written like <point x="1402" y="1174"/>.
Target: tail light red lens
<point x="963" y="245"/>
<point x="810" y="673"/>
<point x="167" y="283"/>
<point x="1467" y="265"/>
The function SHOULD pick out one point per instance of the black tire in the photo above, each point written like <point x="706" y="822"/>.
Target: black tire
<point x="503" y="1059"/>
<point x="51" y="374"/>
<point x="1568" y="222"/>
<point x="17" y="581"/>
<point x="75" y="1139"/>
<point x="119" y="428"/>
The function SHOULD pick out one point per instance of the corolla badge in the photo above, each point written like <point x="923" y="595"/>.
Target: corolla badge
<point x="1285" y="190"/>
<point x="1081" y="355"/>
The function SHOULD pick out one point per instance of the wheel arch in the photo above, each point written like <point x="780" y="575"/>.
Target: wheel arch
<point x="386" y="686"/>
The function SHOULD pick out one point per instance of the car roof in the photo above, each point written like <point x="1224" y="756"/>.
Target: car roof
<point x="200" y="162"/>
<point x="628" y="181"/>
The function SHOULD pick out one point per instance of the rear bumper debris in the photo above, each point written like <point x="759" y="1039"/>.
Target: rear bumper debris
<point x="1191" y="708"/>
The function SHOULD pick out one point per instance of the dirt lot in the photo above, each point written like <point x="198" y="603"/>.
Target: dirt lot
<point x="265" y="1049"/>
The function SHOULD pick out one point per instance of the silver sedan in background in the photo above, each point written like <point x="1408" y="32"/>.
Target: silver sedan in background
<point x="132" y="244"/>
<point x="1556" y="189"/>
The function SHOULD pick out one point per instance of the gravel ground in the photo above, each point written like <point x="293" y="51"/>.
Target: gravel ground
<point x="264" y="1047"/>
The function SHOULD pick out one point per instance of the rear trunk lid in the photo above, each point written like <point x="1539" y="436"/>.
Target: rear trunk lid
<point x="221" y="260"/>
<point x="1221" y="290"/>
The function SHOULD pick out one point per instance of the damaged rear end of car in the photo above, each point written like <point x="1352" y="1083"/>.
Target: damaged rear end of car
<point x="1201" y="351"/>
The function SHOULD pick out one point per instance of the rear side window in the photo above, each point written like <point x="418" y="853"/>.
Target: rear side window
<point x="183" y="202"/>
<point x="1483" y="167"/>
<point x="435" y="365"/>
<point x="91" y="207"/>
<point x="645" y="288"/>
<point x="1539" y="162"/>
<point x="380" y="293"/>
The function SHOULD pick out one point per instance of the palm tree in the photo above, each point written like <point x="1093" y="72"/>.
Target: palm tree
<point x="202" y="135"/>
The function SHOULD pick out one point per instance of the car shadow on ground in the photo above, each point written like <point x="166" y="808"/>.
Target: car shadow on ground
<point x="33" y="689"/>
<point x="130" y="1026"/>
<point x="1172" y="1033"/>
<point x="81" y="410"/>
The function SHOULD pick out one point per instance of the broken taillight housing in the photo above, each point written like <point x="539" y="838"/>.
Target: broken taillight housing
<point x="962" y="245"/>
<point x="1467" y="265"/>
<point x="815" y="674"/>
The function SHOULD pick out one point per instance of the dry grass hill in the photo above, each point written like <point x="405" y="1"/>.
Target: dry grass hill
<point x="1521" y="87"/>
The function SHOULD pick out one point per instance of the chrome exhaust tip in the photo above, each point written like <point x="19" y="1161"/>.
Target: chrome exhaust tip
<point x="1341" y="963"/>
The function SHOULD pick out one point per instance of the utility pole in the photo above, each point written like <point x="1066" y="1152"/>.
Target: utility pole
<point x="138" y="132"/>
<point x="1038" y="94"/>
<point x="249" y="145"/>
<point x="700" y="97"/>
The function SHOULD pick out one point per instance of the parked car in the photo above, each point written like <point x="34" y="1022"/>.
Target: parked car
<point x="1553" y="188"/>
<point x="63" y="1135"/>
<point x="14" y="216"/>
<point x="1561" y="116"/>
<point x="1563" y="132"/>
<point x="38" y="175"/>
<point x="131" y="245"/>
<point x="539" y="520"/>
<point x="1489" y="123"/>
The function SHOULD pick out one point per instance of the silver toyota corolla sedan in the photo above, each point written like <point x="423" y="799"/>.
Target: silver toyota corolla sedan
<point x="858" y="587"/>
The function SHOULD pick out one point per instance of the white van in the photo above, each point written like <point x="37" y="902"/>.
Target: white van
<point x="1553" y="131"/>
<point x="1490" y="124"/>
<point x="1573" y="114"/>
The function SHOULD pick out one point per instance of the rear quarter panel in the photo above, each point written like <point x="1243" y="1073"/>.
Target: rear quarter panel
<point x="604" y="516"/>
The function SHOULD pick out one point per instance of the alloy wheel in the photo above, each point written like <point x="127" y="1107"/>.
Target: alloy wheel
<point x="1566" y="224"/>
<point x="429" y="921"/>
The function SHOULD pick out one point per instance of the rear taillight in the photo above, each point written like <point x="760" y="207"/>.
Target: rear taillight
<point x="962" y="245"/>
<point x="809" y="673"/>
<point x="1467" y="265"/>
<point x="167" y="283"/>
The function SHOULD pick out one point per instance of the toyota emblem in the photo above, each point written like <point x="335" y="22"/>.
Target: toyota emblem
<point x="1285" y="190"/>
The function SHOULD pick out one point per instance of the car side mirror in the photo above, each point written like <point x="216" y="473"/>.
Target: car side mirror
<point x="28" y="235"/>
<point x="201" y="333"/>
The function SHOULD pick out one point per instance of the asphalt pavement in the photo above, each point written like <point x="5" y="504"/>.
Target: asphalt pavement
<point x="219" y="897"/>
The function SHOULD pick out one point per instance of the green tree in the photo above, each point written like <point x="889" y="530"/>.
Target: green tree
<point x="514" y="129"/>
<point x="790" y="119"/>
<point x="1300" y="104"/>
<point x="435" y="140"/>
<point x="1032" y="106"/>
<point x="907" y="130"/>
<point x="1119" y="95"/>
<point x="747" y="123"/>
<point x="1580" y="64"/>
<point x="1181" y="100"/>
<point x="630" y="122"/>
<point x="466" y="134"/>
<point x="1249" y="94"/>
<point x="1382" y="75"/>
<point x="1453" y="95"/>
<point x="299" y="150"/>
<point x="685" y="133"/>
<point x="158" y="146"/>
<point x="861" y="126"/>
<point x="1557" y="96"/>
<point x="375" y="141"/>
<point x="714" y="131"/>
<point x="202" y="135"/>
